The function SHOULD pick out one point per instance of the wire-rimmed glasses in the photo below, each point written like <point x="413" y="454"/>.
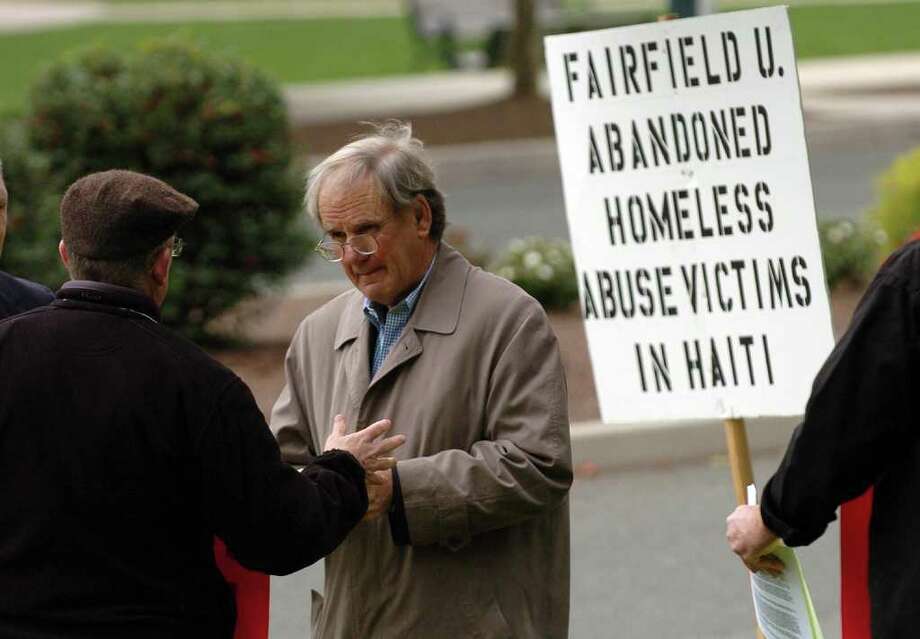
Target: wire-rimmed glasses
<point x="334" y="251"/>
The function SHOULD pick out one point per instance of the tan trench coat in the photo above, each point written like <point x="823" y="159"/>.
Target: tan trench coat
<point x="476" y="384"/>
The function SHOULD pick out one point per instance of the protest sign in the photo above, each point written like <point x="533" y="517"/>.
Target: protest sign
<point x="691" y="215"/>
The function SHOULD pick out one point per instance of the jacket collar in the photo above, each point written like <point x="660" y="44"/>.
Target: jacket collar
<point x="438" y="309"/>
<point x="106" y="297"/>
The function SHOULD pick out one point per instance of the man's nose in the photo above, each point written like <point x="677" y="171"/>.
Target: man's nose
<point x="350" y="255"/>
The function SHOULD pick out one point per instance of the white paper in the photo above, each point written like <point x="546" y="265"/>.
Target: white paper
<point x="782" y="603"/>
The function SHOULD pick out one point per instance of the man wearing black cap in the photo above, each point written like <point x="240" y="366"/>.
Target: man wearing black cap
<point x="124" y="449"/>
<point x="16" y="294"/>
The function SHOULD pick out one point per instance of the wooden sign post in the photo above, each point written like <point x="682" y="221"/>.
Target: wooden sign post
<point x="739" y="458"/>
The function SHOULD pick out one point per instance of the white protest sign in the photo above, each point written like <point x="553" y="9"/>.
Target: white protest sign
<point x="691" y="214"/>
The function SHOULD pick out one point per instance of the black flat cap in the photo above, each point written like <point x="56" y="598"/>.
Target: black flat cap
<point x="118" y="214"/>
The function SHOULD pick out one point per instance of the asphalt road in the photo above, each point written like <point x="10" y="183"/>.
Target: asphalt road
<point x="501" y="190"/>
<point x="648" y="560"/>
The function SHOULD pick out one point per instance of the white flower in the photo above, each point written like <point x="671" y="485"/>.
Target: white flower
<point x="532" y="259"/>
<point x="516" y="245"/>
<point x="880" y="236"/>
<point x="545" y="272"/>
<point x="846" y="227"/>
<point x="836" y="234"/>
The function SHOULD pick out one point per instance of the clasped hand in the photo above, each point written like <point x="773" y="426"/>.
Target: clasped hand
<point x="371" y="449"/>
<point x="749" y="538"/>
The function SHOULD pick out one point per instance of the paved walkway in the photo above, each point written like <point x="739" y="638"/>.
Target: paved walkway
<point x="32" y="16"/>
<point x="876" y="87"/>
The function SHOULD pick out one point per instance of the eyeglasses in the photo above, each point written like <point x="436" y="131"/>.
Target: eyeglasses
<point x="334" y="251"/>
<point x="177" y="246"/>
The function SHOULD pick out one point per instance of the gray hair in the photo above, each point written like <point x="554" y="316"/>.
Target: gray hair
<point x="395" y="160"/>
<point x="130" y="272"/>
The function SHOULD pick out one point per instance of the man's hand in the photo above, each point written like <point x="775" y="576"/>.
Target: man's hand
<point x="748" y="537"/>
<point x="368" y="445"/>
<point x="379" y="493"/>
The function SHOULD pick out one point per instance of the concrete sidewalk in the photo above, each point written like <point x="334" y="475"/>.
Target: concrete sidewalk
<point x="877" y="87"/>
<point x="35" y="16"/>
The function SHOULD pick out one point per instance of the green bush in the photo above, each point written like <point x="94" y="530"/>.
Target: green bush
<point x="213" y="128"/>
<point x="32" y="216"/>
<point x="851" y="251"/>
<point x="898" y="209"/>
<point x="543" y="268"/>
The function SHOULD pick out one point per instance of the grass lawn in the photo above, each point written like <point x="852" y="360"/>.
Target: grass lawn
<point x="301" y="50"/>
<point x="290" y="50"/>
<point x="855" y="29"/>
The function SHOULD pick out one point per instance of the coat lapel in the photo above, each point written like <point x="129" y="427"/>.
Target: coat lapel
<point x="353" y="335"/>
<point x="406" y="349"/>
<point x="438" y="310"/>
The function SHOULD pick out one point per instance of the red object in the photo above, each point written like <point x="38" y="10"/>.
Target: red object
<point x="252" y="595"/>
<point x="854" y="567"/>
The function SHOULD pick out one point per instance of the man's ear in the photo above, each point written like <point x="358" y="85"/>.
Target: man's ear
<point x="62" y="251"/>
<point x="422" y="211"/>
<point x="160" y="270"/>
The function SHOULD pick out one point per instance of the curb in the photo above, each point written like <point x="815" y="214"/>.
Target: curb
<point x="597" y="446"/>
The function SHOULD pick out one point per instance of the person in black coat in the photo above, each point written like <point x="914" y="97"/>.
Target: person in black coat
<point x="859" y="431"/>
<point x="124" y="449"/>
<point x="16" y="294"/>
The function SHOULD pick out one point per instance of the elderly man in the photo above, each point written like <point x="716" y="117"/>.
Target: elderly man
<point x="859" y="431"/>
<point x="16" y="294"/>
<point x="124" y="449"/>
<point x="476" y="538"/>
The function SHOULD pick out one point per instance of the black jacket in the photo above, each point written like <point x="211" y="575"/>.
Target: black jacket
<point x="18" y="295"/>
<point x="860" y="430"/>
<point x="123" y="450"/>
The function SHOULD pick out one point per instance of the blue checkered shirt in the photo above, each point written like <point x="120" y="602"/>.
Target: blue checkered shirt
<point x="393" y="322"/>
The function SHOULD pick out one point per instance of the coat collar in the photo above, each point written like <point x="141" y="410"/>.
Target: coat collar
<point x="438" y="309"/>
<point x="104" y="296"/>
